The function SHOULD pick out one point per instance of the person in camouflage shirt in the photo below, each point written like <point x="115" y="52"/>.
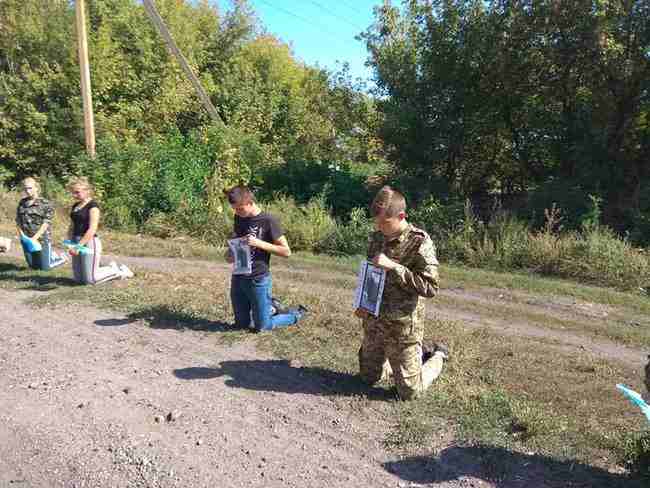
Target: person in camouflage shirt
<point x="393" y="341"/>
<point x="34" y="220"/>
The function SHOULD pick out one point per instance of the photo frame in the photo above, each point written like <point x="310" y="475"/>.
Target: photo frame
<point x="370" y="288"/>
<point x="241" y="252"/>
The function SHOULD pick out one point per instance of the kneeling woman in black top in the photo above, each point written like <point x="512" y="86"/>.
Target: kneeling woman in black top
<point x="84" y="217"/>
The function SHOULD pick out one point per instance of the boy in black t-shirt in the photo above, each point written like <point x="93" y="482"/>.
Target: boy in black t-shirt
<point x="251" y="293"/>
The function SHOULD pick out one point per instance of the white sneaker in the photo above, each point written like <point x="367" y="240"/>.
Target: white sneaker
<point x="114" y="265"/>
<point x="125" y="271"/>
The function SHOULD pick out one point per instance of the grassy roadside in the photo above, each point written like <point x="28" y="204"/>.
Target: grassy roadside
<point x="512" y="394"/>
<point x="617" y="325"/>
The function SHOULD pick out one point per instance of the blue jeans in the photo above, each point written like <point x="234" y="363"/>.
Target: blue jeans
<point x="253" y="295"/>
<point x="45" y="259"/>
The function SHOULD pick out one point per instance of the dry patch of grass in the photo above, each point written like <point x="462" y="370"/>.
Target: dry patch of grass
<point x="619" y="326"/>
<point x="542" y="287"/>
<point x="122" y="244"/>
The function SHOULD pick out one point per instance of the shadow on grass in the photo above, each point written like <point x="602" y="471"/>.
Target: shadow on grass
<point x="164" y="317"/>
<point x="114" y="322"/>
<point x="506" y="469"/>
<point x="279" y="376"/>
<point x="7" y="267"/>
<point x="37" y="280"/>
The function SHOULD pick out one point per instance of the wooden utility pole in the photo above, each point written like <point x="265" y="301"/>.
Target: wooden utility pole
<point x="166" y="35"/>
<point x="84" y="67"/>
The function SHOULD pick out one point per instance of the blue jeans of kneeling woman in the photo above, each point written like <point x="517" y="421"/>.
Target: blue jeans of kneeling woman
<point x="253" y="296"/>
<point x="44" y="259"/>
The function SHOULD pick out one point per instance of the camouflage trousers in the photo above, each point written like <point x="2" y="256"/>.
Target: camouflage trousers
<point x="393" y="345"/>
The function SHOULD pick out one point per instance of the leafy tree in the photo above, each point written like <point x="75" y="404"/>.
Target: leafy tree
<point x="508" y="96"/>
<point x="139" y="92"/>
<point x="37" y="85"/>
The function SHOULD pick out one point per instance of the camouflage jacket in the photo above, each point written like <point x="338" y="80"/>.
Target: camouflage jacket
<point x="416" y="277"/>
<point x="30" y="217"/>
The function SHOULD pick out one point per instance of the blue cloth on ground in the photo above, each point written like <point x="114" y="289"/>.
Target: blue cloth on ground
<point x="636" y="399"/>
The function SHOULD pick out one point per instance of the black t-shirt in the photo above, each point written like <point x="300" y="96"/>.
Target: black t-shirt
<point x="81" y="218"/>
<point x="266" y="228"/>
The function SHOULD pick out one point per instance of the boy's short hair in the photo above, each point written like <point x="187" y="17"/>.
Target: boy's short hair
<point x="389" y="202"/>
<point x="240" y="194"/>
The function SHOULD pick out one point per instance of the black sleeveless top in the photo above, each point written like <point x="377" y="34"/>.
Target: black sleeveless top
<point x="81" y="218"/>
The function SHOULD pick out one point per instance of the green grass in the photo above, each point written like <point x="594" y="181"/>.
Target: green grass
<point x="615" y="326"/>
<point x="472" y="278"/>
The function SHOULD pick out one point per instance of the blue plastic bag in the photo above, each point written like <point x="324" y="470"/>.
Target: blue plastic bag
<point x="75" y="245"/>
<point x="636" y="399"/>
<point x="30" y="245"/>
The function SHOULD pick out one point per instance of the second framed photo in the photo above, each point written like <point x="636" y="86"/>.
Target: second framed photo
<point x="243" y="264"/>
<point x="370" y="288"/>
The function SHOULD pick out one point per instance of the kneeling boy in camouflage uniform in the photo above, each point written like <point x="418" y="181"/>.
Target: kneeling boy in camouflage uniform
<point x="393" y="340"/>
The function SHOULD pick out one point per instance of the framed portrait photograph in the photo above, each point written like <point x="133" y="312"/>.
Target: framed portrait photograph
<point x="241" y="252"/>
<point x="370" y="288"/>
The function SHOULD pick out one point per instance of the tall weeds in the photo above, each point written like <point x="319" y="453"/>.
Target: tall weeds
<point x="594" y="255"/>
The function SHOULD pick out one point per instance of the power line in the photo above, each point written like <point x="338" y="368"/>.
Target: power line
<point x="334" y="14"/>
<point x="163" y="31"/>
<point x="352" y="8"/>
<point x="303" y="19"/>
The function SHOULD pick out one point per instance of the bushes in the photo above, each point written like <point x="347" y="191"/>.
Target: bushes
<point x="123" y="176"/>
<point x="594" y="255"/>
<point x="169" y="175"/>
<point x="600" y="257"/>
<point x="442" y="220"/>
<point x="341" y="186"/>
<point x="305" y="226"/>
<point x="348" y="238"/>
<point x="174" y="185"/>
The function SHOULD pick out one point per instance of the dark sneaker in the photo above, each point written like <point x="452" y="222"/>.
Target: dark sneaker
<point x="236" y="326"/>
<point x="277" y="307"/>
<point x="443" y="349"/>
<point x="301" y="311"/>
<point x="428" y="350"/>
